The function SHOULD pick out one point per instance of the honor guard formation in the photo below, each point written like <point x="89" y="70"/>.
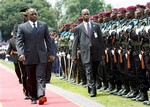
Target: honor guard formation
<point x="124" y="70"/>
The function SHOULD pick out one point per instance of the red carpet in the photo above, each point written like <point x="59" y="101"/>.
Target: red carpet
<point x="11" y="94"/>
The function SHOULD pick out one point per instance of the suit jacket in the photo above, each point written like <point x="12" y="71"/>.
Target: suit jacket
<point x="36" y="46"/>
<point x="12" y="50"/>
<point x="90" y="51"/>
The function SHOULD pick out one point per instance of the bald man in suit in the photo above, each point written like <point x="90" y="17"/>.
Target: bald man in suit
<point x="88" y="38"/>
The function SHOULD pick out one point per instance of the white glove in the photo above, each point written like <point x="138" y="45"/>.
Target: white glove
<point x="6" y="59"/>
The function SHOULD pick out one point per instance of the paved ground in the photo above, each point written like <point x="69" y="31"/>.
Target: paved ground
<point x="11" y="94"/>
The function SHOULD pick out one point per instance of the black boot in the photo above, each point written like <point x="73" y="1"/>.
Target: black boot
<point x="138" y="96"/>
<point x="120" y="91"/>
<point x="110" y="88"/>
<point x="143" y="97"/>
<point x="128" y="94"/>
<point x="146" y="102"/>
<point x="104" y="87"/>
<point x="124" y="92"/>
<point x="133" y="94"/>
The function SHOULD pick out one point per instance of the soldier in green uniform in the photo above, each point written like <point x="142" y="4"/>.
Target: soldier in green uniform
<point x="123" y="42"/>
<point x="129" y="62"/>
<point x="105" y="68"/>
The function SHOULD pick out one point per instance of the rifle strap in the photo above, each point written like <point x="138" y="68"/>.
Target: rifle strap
<point x="120" y="57"/>
<point x="115" y="59"/>
<point x="142" y="61"/>
<point x="128" y="61"/>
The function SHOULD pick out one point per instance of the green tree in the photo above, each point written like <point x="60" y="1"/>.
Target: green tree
<point x="9" y="14"/>
<point x="72" y="8"/>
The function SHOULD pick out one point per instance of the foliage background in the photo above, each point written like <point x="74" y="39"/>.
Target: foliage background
<point x="65" y="11"/>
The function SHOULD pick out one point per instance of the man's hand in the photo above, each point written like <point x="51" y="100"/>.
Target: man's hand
<point x="78" y="54"/>
<point x="22" y="58"/>
<point x="51" y="58"/>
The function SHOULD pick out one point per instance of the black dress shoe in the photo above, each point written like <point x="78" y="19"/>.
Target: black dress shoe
<point x="92" y="91"/>
<point x="146" y="102"/>
<point x="26" y="97"/>
<point x="33" y="102"/>
<point x="93" y="95"/>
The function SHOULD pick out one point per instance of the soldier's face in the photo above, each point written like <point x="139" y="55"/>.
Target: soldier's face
<point x="147" y="11"/>
<point x="120" y="15"/>
<point x="105" y="19"/>
<point x="137" y="13"/>
<point x="113" y="16"/>
<point x="100" y="19"/>
<point x="128" y="15"/>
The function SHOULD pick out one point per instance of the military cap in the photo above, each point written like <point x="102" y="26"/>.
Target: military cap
<point x="114" y="10"/>
<point x="140" y="6"/>
<point x="122" y="10"/>
<point x="94" y="16"/>
<point x="131" y="8"/>
<point x="80" y="19"/>
<point x="23" y="10"/>
<point x="67" y="25"/>
<point x="73" y="25"/>
<point x="101" y="14"/>
<point x="107" y="14"/>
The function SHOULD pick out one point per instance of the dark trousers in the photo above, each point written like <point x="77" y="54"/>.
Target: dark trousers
<point x="90" y="75"/>
<point x="24" y="78"/>
<point x="48" y="71"/>
<point x="17" y="71"/>
<point x="147" y="66"/>
<point x="36" y="80"/>
<point x="141" y="75"/>
<point x="132" y="74"/>
<point x="82" y="73"/>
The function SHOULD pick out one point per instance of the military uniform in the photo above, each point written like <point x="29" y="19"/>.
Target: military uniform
<point x="13" y="52"/>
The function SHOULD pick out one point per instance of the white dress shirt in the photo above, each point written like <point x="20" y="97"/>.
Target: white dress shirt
<point x="85" y="25"/>
<point x="32" y="24"/>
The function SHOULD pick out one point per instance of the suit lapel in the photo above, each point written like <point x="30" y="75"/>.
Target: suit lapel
<point x="29" y="27"/>
<point x="83" y="28"/>
<point x="39" y="25"/>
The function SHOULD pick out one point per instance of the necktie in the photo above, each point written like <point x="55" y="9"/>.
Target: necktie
<point x="34" y="27"/>
<point x="89" y="31"/>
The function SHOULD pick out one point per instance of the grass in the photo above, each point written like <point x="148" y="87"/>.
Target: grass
<point x="104" y="98"/>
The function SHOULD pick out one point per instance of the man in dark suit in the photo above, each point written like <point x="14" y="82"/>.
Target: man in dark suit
<point x="88" y="38"/>
<point x="34" y="49"/>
